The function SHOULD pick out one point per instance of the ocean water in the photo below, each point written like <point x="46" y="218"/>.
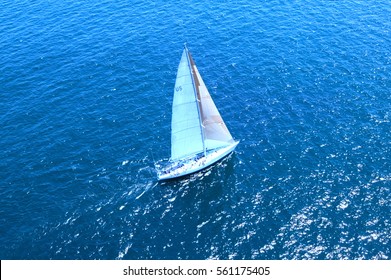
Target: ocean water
<point x="85" y="109"/>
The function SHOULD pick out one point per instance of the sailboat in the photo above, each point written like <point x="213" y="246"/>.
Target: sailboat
<point x="199" y="136"/>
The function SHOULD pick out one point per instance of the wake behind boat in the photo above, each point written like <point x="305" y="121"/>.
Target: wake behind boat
<point x="199" y="136"/>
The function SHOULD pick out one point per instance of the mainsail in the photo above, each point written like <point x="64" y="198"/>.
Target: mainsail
<point x="196" y="124"/>
<point x="186" y="131"/>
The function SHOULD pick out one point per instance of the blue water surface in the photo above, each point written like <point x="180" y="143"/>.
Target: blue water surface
<point x="85" y="109"/>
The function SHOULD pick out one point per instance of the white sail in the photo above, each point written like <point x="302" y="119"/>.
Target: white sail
<point x="186" y="133"/>
<point x="216" y="133"/>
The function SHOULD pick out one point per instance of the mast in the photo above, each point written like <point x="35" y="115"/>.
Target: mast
<point x="197" y="96"/>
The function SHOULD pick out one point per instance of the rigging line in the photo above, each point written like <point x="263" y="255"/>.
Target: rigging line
<point x="153" y="158"/>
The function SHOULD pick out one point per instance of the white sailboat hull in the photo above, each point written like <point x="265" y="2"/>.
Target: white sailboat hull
<point x="194" y="165"/>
